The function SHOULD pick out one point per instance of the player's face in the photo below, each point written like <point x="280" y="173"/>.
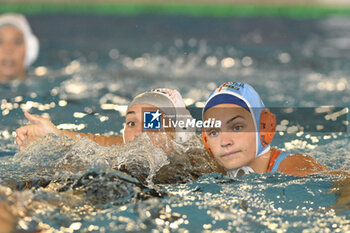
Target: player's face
<point x="234" y="144"/>
<point x="12" y="53"/>
<point x="134" y="125"/>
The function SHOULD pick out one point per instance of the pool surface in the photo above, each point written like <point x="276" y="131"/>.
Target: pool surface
<point x="91" y="66"/>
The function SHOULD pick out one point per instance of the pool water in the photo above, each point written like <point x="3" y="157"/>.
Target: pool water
<point x="91" y="66"/>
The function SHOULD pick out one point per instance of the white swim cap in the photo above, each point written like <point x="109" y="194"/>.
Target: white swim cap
<point x="31" y="41"/>
<point x="171" y="103"/>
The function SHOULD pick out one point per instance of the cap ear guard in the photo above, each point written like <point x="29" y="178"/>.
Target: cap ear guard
<point x="205" y="142"/>
<point x="267" y="127"/>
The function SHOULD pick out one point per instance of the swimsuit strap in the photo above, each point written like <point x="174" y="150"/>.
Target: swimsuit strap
<point x="276" y="158"/>
<point x="273" y="158"/>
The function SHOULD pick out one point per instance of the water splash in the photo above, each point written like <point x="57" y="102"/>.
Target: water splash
<point x="139" y="158"/>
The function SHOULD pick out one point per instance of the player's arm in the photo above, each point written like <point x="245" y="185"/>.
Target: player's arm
<point x="42" y="126"/>
<point x="301" y="165"/>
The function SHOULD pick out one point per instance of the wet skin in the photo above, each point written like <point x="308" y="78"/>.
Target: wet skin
<point x="234" y="144"/>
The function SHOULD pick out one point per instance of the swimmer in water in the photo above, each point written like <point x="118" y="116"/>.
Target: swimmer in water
<point x="185" y="162"/>
<point x="19" y="47"/>
<point x="242" y="144"/>
<point x="168" y="101"/>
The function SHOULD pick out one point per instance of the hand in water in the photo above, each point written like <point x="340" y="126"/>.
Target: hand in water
<point x="39" y="128"/>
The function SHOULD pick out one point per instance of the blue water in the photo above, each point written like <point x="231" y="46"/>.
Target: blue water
<point x="91" y="66"/>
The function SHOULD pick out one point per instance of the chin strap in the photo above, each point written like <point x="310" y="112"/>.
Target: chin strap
<point x="240" y="171"/>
